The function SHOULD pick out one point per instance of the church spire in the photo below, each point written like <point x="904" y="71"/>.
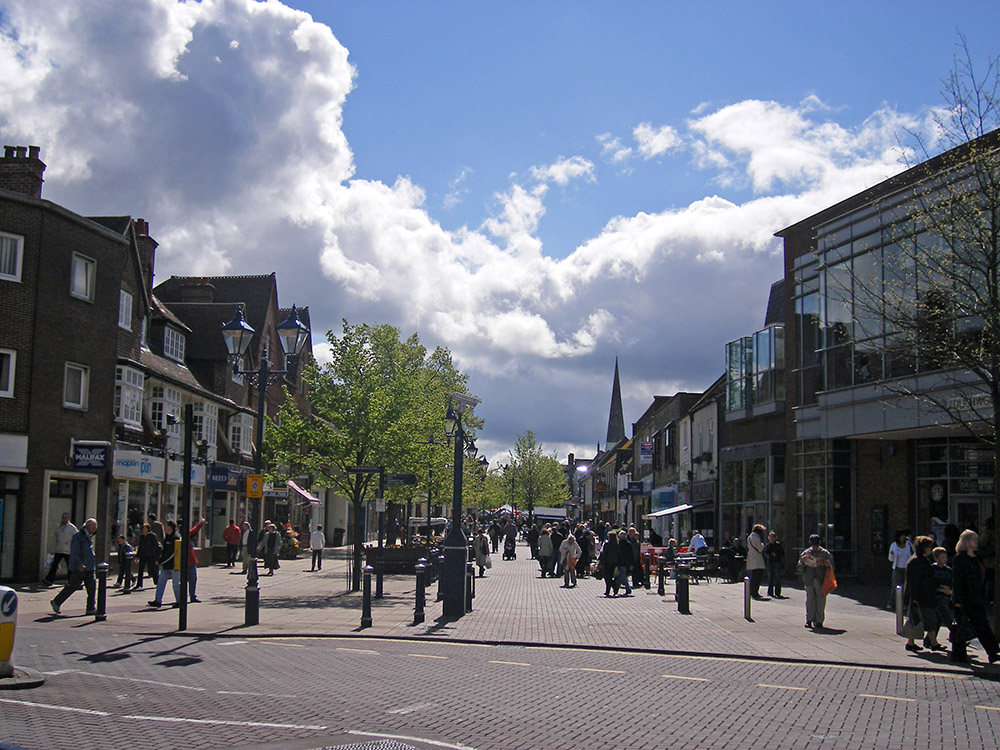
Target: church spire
<point x="616" y="419"/>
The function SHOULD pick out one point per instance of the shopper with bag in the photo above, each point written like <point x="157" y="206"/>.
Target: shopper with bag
<point x="968" y="592"/>
<point x="481" y="545"/>
<point x="919" y="597"/>
<point x="814" y="564"/>
<point x="569" y="554"/>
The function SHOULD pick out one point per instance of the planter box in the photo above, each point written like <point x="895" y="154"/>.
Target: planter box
<point x="397" y="559"/>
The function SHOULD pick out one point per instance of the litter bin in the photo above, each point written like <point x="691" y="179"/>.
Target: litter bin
<point x="338" y="537"/>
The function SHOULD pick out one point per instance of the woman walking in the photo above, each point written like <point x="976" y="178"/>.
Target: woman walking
<point x="609" y="564"/>
<point x="481" y="546"/>
<point x="569" y="554"/>
<point x="920" y="588"/>
<point x="968" y="592"/>
<point x="544" y="550"/>
<point x="815" y="562"/>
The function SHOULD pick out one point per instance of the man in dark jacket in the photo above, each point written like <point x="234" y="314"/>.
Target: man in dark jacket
<point x="626" y="558"/>
<point x="774" y="559"/>
<point x="170" y="567"/>
<point x="81" y="568"/>
<point x="608" y="560"/>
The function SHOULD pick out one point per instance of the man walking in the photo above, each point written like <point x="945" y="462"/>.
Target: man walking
<point x="60" y="548"/>
<point x="81" y="568"/>
<point x="231" y="536"/>
<point x="317" y="541"/>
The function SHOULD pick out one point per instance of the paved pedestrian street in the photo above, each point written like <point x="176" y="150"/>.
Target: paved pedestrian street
<point x="534" y="665"/>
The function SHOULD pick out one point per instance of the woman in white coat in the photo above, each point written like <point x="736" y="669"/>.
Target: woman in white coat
<point x="569" y="553"/>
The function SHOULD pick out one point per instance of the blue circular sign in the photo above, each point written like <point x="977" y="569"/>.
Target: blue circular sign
<point x="8" y="605"/>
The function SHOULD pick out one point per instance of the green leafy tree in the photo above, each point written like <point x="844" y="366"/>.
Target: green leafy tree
<point x="374" y="404"/>
<point x="538" y="479"/>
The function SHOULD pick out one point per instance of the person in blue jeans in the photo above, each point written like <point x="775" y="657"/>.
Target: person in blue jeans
<point x="168" y="569"/>
<point x="626" y="554"/>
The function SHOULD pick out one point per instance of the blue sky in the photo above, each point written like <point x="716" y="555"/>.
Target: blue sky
<point x="540" y="187"/>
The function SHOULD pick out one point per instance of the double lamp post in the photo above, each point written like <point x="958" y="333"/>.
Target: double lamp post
<point x="456" y="549"/>
<point x="238" y="335"/>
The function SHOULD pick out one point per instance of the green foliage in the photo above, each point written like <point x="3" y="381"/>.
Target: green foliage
<point x="538" y="479"/>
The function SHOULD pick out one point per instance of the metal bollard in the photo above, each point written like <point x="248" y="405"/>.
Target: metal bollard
<point x="432" y="572"/>
<point x="440" y="593"/>
<point x="379" y="564"/>
<point x="251" y="614"/>
<point x="899" y="609"/>
<point x="682" y="594"/>
<point x="470" y="583"/>
<point x="746" y="599"/>
<point x="366" y="602"/>
<point x="8" y="625"/>
<point x="102" y="592"/>
<point x="418" y="609"/>
<point x="660" y="591"/>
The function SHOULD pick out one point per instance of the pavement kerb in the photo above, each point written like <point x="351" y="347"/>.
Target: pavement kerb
<point x="984" y="673"/>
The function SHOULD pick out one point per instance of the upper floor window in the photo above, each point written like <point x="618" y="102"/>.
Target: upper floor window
<point x="76" y="386"/>
<point x="82" y="280"/>
<point x="125" y="310"/>
<point x="165" y="401"/>
<point x="129" y="384"/>
<point x="173" y="344"/>
<point x="206" y="421"/>
<point x="240" y="429"/>
<point x="11" y="254"/>
<point x="8" y="362"/>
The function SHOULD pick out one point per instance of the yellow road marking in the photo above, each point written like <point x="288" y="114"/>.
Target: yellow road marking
<point x="278" y="643"/>
<point x="603" y="671"/>
<point x="989" y="708"/>
<point x="511" y="663"/>
<point x="427" y="656"/>
<point x="780" y="687"/>
<point x="681" y="677"/>
<point x="888" y="698"/>
<point x="357" y="650"/>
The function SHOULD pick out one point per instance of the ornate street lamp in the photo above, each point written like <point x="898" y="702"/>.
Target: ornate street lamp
<point x="456" y="543"/>
<point x="238" y="335"/>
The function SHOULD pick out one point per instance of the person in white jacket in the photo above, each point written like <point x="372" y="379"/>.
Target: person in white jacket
<point x="317" y="541"/>
<point x="60" y="548"/>
<point x="569" y="553"/>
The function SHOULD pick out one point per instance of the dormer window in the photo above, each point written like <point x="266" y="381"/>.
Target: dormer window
<point x="173" y="344"/>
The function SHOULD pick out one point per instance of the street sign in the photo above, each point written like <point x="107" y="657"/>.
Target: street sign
<point x="401" y="479"/>
<point x="636" y="488"/>
<point x="363" y="469"/>
<point x="255" y="486"/>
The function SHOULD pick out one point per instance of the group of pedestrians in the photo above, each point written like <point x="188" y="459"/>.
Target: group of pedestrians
<point x="944" y="587"/>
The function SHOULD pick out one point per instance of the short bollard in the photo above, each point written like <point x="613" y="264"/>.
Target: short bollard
<point x="440" y="567"/>
<point x="899" y="609"/>
<point x="470" y="583"/>
<point x="8" y="624"/>
<point x="251" y="600"/>
<point x="366" y="602"/>
<point x="102" y="592"/>
<point x="746" y="599"/>
<point x="683" y="602"/>
<point x="379" y="564"/>
<point x="660" y="591"/>
<point x="432" y="571"/>
<point x="418" y="610"/>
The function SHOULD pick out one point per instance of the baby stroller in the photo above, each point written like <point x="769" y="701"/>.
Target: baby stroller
<point x="508" y="550"/>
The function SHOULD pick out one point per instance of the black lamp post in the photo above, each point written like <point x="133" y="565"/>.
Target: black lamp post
<point x="238" y="334"/>
<point x="456" y="543"/>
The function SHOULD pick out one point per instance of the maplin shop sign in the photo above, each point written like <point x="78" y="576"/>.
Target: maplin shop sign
<point x="137" y="465"/>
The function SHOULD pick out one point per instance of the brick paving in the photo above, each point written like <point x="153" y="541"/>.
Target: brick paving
<point x="515" y="606"/>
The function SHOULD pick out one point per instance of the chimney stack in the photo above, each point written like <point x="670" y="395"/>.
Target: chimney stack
<point x="147" y="249"/>
<point x="21" y="170"/>
<point x="197" y="289"/>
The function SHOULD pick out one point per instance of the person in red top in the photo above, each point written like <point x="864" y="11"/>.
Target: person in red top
<point x="193" y="562"/>
<point x="231" y="536"/>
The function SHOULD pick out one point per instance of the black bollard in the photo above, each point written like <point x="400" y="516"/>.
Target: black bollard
<point x="366" y="602"/>
<point x="440" y="567"/>
<point x="470" y="585"/>
<point x="418" y="610"/>
<point x="683" y="603"/>
<point x="251" y="615"/>
<point x="746" y="600"/>
<point x="432" y="565"/>
<point x="102" y="592"/>
<point x="662" y="572"/>
<point x="379" y="564"/>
